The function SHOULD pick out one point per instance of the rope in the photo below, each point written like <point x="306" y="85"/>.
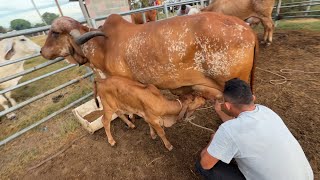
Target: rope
<point x="191" y="118"/>
<point x="285" y="79"/>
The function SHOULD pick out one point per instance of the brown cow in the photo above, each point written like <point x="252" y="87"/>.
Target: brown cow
<point x="189" y="53"/>
<point x="245" y="9"/>
<point x="150" y="16"/>
<point x="123" y="96"/>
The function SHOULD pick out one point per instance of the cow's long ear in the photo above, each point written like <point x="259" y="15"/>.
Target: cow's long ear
<point x="9" y="50"/>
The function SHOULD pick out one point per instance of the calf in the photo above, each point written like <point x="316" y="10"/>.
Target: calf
<point x="124" y="96"/>
<point x="12" y="49"/>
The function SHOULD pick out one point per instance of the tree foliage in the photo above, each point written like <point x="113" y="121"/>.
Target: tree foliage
<point x="49" y="17"/>
<point x="2" y="29"/>
<point x="19" y="24"/>
<point x="39" y="25"/>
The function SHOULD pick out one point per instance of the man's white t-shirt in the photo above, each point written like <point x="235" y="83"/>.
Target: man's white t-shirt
<point x="262" y="146"/>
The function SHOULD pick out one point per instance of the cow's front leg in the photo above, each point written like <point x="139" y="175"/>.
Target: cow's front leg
<point x="5" y="104"/>
<point x="106" y="121"/>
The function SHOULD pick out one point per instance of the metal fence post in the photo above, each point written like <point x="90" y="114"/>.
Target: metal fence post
<point x="277" y="13"/>
<point x="165" y="7"/>
<point x="308" y="8"/>
<point x="201" y="3"/>
<point x="144" y="19"/>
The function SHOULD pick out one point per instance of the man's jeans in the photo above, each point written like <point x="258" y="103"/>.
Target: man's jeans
<point x="221" y="171"/>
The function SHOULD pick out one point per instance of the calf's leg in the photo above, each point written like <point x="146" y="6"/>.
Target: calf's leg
<point x="106" y="121"/>
<point x="125" y="119"/>
<point x="153" y="122"/>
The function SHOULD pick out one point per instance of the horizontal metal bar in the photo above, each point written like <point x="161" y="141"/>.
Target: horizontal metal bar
<point x="24" y="103"/>
<point x="303" y="5"/>
<point x="296" y="12"/>
<point x="37" y="78"/>
<point x="18" y="60"/>
<point x="301" y="2"/>
<point x="48" y="63"/>
<point x="308" y="16"/>
<point x="19" y="133"/>
<point x="28" y="31"/>
<point x="23" y="32"/>
<point x="141" y="10"/>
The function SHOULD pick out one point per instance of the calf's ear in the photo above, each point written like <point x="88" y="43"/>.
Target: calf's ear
<point x="9" y="50"/>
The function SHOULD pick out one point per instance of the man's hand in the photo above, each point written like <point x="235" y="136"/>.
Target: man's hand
<point x="223" y="116"/>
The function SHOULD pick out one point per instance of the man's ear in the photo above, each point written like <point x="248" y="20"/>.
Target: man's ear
<point x="227" y="105"/>
<point x="253" y="98"/>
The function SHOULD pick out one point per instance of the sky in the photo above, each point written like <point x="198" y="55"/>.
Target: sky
<point x="23" y="9"/>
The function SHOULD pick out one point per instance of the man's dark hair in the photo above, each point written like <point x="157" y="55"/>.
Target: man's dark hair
<point x="183" y="7"/>
<point x="237" y="92"/>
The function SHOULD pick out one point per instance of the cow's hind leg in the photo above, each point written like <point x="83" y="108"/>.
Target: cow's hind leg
<point x="106" y="121"/>
<point x="208" y="92"/>
<point x="268" y="29"/>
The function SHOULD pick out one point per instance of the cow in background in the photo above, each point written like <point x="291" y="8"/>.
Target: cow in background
<point x="137" y="18"/>
<point x="11" y="49"/>
<point x="249" y="10"/>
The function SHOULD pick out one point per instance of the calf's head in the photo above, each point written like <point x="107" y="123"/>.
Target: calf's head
<point x="189" y="104"/>
<point x="64" y="40"/>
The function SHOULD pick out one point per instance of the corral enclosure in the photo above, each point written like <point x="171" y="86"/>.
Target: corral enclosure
<point x="136" y="155"/>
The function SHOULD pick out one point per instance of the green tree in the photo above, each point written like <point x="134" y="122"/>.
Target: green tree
<point x="49" y="17"/>
<point x="2" y="29"/>
<point x="19" y="24"/>
<point x="39" y="25"/>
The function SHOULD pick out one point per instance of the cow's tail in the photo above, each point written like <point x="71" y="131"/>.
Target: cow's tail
<point x="255" y="57"/>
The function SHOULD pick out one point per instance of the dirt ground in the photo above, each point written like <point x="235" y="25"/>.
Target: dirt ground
<point x="137" y="156"/>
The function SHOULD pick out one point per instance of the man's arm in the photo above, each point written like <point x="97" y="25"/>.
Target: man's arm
<point x="223" y="116"/>
<point x="206" y="160"/>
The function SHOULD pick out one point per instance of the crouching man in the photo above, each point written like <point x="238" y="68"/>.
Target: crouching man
<point x="257" y="139"/>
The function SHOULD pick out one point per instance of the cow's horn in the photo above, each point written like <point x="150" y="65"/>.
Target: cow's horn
<point x="81" y="39"/>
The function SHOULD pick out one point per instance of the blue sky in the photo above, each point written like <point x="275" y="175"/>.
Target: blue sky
<point x="23" y="9"/>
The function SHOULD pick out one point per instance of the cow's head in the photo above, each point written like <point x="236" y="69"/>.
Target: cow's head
<point x="65" y="38"/>
<point x="17" y="47"/>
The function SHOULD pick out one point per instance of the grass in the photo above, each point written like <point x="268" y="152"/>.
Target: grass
<point x="301" y="24"/>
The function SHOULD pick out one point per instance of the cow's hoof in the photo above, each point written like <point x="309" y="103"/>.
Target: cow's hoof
<point x="112" y="142"/>
<point x="170" y="147"/>
<point x="11" y="116"/>
<point x="132" y="126"/>
<point x="153" y="136"/>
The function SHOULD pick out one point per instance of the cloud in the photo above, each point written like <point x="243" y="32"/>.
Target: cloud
<point x="25" y="10"/>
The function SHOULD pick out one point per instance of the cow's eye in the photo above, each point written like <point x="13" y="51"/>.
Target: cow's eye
<point x="55" y="34"/>
<point x="22" y="39"/>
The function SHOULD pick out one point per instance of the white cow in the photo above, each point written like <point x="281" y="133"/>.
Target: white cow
<point x="11" y="49"/>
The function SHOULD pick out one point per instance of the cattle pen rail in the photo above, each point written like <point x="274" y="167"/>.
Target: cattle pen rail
<point x="92" y="23"/>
